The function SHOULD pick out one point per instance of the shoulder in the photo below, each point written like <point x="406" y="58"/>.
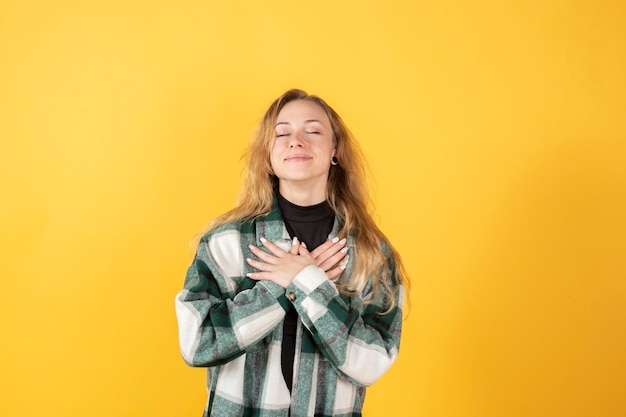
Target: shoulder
<point x="238" y="228"/>
<point x="386" y="247"/>
<point x="222" y="231"/>
<point x="225" y="229"/>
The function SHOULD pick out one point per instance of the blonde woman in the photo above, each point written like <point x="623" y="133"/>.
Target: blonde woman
<point x="294" y="298"/>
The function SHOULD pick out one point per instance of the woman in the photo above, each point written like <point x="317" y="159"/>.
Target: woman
<point x="294" y="298"/>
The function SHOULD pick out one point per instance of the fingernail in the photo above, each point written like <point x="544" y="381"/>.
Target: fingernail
<point x="344" y="250"/>
<point x="342" y="267"/>
<point x="343" y="241"/>
<point x="303" y="245"/>
<point x="294" y="242"/>
<point x="263" y="240"/>
<point x="335" y="239"/>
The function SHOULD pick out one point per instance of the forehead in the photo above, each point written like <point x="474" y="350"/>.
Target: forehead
<point x="302" y="110"/>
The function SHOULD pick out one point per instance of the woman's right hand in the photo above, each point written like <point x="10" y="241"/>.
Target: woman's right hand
<point x="328" y="254"/>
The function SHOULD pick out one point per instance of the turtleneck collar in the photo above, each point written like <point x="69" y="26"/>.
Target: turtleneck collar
<point x="294" y="212"/>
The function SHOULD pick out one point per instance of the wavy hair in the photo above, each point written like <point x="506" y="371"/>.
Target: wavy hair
<point x="375" y="261"/>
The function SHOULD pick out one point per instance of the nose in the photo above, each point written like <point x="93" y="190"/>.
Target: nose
<point x="296" y="141"/>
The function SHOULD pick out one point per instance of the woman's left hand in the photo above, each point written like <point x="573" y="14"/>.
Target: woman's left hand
<point x="279" y="266"/>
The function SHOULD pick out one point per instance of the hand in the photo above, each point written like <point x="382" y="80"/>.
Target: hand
<point x="328" y="254"/>
<point x="279" y="266"/>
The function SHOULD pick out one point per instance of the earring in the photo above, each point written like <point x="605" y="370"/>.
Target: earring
<point x="333" y="160"/>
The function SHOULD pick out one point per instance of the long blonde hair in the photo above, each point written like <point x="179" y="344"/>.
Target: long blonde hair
<point x="347" y="195"/>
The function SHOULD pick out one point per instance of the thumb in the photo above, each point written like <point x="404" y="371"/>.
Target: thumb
<point x="295" y="246"/>
<point x="303" y="249"/>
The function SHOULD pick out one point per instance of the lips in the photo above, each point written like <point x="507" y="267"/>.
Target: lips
<point x="298" y="158"/>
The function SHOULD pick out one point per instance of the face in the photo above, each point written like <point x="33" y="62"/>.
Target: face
<point x="303" y="145"/>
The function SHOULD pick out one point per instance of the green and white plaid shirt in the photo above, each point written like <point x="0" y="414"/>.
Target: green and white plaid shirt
<point x="233" y="325"/>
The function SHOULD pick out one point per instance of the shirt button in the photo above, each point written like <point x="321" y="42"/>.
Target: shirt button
<point x="292" y="296"/>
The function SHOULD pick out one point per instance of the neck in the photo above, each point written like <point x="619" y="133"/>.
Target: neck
<point x="302" y="195"/>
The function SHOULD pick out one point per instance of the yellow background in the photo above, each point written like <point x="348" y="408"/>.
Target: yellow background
<point x="495" y="132"/>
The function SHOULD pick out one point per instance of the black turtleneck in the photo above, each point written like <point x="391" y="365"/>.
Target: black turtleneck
<point x="311" y="225"/>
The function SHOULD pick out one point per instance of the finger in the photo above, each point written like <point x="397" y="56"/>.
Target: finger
<point x="335" y="247"/>
<point x="303" y="250"/>
<point x="333" y="260"/>
<point x="305" y="255"/>
<point x="324" y="247"/>
<point x="273" y="248"/>
<point x="261" y="266"/>
<point x="335" y="272"/>
<point x="294" y="246"/>
<point x="261" y="254"/>
<point x="257" y="276"/>
<point x="336" y="252"/>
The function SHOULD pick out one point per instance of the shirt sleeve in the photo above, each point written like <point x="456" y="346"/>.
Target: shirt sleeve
<point x="360" y="343"/>
<point x="220" y="312"/>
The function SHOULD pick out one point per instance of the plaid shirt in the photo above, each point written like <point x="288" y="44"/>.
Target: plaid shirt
<point x="233" y="325"/>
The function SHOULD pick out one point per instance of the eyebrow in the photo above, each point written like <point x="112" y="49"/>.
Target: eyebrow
<point x="306" y="121"/>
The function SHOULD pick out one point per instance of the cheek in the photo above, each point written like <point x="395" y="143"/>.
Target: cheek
<point x="327" y="148"/>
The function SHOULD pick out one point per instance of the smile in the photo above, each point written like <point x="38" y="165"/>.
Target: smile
<point x="298" y="158"/>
